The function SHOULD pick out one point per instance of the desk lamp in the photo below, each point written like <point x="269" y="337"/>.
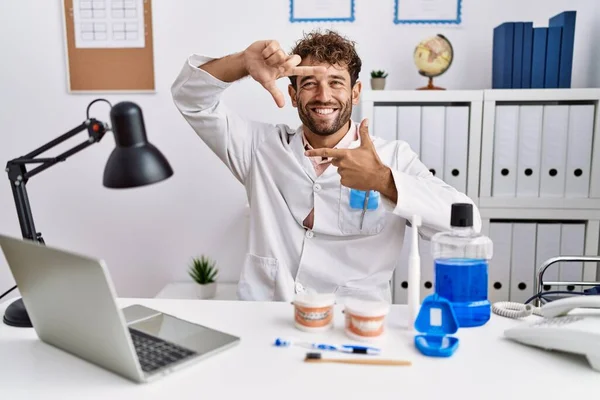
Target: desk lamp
<point x="134" y="162"/>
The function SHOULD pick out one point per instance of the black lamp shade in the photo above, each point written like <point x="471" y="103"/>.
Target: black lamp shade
<point x="134" y="162"/>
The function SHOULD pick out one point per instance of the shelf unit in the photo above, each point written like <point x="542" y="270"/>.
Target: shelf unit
<point x="481" y="156"/>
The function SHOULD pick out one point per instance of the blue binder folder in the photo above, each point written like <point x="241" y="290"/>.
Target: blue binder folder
<point x="538" y="58"/>
<point x="527" y="55"/>
<point x="566" y="21"/>
<point x="502" y="63"/>
<point x="517" y="56"/>
<point x="553" y="57"/>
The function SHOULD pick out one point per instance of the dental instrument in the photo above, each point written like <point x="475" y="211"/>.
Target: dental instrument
<point x="345" y="348"/>
<point x="414" y="274"/>
<point x="364" y="211"/>
<point x="317" y="358"/>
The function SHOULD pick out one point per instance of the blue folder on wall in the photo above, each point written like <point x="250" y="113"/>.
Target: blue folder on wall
<point x="517" y="71"/>
<point x="566" y="21"/>
<point x="538" y="58"/>
<point x="527" y="55"/>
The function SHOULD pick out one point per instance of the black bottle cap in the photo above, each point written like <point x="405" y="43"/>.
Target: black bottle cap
<point x="462" y="214"/>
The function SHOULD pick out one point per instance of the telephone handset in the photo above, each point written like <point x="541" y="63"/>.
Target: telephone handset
<point x="570" y="325"/>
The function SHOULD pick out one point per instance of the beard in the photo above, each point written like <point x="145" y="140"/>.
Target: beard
<point x="323" y="127"/>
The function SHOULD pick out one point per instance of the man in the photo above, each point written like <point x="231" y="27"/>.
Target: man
<point x="309" y="231"/>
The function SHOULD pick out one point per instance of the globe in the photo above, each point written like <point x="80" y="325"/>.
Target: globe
<point x="433" y="56"/>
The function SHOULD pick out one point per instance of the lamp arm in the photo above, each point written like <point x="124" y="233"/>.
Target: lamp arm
<point x="18" y="174"/>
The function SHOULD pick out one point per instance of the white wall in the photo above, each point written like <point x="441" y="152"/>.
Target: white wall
<point x="147" y="235"/>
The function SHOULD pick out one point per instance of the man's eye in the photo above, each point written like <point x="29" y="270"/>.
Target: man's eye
<point x="308" y="84"/>
<point x="337" y="83"/>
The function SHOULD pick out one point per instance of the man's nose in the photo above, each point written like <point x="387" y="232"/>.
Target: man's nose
<point x="323" y="93"/>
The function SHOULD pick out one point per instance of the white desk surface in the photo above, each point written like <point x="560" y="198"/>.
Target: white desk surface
<point x="485" y="366"/>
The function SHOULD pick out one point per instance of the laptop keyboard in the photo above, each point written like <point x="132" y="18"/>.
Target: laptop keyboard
<point x="155" y="353"/>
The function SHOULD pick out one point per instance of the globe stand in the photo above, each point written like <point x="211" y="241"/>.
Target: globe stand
<point x="430" y="86"/>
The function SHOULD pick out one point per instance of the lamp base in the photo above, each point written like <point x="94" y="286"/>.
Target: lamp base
<point x="16" y="315"/>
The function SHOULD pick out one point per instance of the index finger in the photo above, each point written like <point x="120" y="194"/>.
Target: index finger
<point x="306" y="71"/>
<point x="328" y="153"/>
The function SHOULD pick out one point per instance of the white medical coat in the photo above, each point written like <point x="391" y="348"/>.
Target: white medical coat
<point x="335" y="256"/>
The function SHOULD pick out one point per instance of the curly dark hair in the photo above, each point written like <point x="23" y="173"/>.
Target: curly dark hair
<point x="331" y="48"/>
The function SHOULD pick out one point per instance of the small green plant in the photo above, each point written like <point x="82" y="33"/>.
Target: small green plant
<point x="203" y="270"/>
<point x="379" y="74"/>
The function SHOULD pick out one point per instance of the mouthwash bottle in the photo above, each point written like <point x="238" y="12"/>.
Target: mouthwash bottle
<point x="461" y="267"/>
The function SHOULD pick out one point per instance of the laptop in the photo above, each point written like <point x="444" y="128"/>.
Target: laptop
<point x="72" y="305"/>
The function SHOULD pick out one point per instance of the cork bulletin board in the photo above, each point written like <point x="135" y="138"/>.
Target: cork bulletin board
<point x="109" y="45"/>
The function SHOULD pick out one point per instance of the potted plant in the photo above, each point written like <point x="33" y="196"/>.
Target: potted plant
<point x="204" y="272"/>
<point x="378" y="79"/>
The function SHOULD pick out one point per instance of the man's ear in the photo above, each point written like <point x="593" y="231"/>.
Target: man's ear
<point x="356" y="92"/>
<point x="292" y="92"/>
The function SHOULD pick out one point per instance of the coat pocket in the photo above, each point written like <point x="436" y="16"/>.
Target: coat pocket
<point x="258" y="278"/>
<point x="351" y="221"/>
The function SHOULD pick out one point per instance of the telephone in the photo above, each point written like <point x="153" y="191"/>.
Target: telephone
<point x="570" y="325"/>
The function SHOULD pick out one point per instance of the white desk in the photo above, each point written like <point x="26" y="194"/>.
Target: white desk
<point x="187" y="290"/>
<point x="485" y="366"/>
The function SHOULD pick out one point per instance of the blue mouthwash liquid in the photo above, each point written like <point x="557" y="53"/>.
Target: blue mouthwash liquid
<point x="461" y="267"/>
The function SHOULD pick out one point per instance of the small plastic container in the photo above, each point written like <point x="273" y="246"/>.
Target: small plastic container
<point x="436" y="321"/>
<point x="365" y="320"/>
<point x="313" y="312"/>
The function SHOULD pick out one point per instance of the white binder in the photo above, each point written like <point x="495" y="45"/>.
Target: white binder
<point x="456" y="148"/>
<point x="432" y="138"/>
<point x="522" y="269"/>
<point x="529" y="153"/>
<point x="572" y="243"/>
<point x="548" y="246"/>
<point x="554" y="153"/>
<point x="504" y="175"/>
<point x="409" y="126"/>
<point x="427" y="269"/>
<point x="401" y="273"/>
<point x="384" y="122"/>
<point x="499" y="265"/>
<point x="579" y="150"/>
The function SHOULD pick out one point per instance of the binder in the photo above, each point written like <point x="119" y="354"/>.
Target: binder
<point x="517" y="73"/>
<point x="554" y="154"/>
<point x="384" y="122"/>
<point x="529" y="151"/>
<point x="548" y="246"/>
<point x="579" y="150"/>
<point x="527" y="55"/>
<point x="538" y="58"/>
<point x="522" y="270"/>
<point x="401" y="273"/>
<point x="565" y="20"/>
<point x="499" y="265"/>
<point x="432" y="138"/>
<point x="552" y="57"/>
<point x="456" y="147"/>
<point x="504" y="174"/>
<point x="409" y="126"/>
<point x="572" y="242"/>
<point x="427" y="269"/>
<point x="502" y="56"/>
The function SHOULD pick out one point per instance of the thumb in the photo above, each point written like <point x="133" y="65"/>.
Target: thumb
<point x="363" y="130"/>
<point x="275" y="92"/>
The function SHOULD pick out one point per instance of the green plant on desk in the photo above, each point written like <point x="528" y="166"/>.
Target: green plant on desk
<point x="378" y="79"/>
<point x="204" y="272"/>
<point x="379" y="74"/>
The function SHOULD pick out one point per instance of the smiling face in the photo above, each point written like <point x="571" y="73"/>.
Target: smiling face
<point x="325" y="101"/>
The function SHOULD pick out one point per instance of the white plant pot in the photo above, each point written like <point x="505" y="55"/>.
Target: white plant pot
<point x="377" y="83"/>
<point x="206" y="291"/>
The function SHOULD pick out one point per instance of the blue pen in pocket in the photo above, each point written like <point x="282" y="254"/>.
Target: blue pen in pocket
<point x="360" y="199"/>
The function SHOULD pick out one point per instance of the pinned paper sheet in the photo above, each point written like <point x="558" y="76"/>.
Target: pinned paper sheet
<point x="321" y="10"/>
<point x="109" y="23"/>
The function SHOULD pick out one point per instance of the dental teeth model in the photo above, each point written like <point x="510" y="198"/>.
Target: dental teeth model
<point x="365" y="320"/>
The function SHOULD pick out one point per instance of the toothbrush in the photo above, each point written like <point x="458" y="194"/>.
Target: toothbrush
<point x="346" y="348"/>
<point x="414" y="274"/>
